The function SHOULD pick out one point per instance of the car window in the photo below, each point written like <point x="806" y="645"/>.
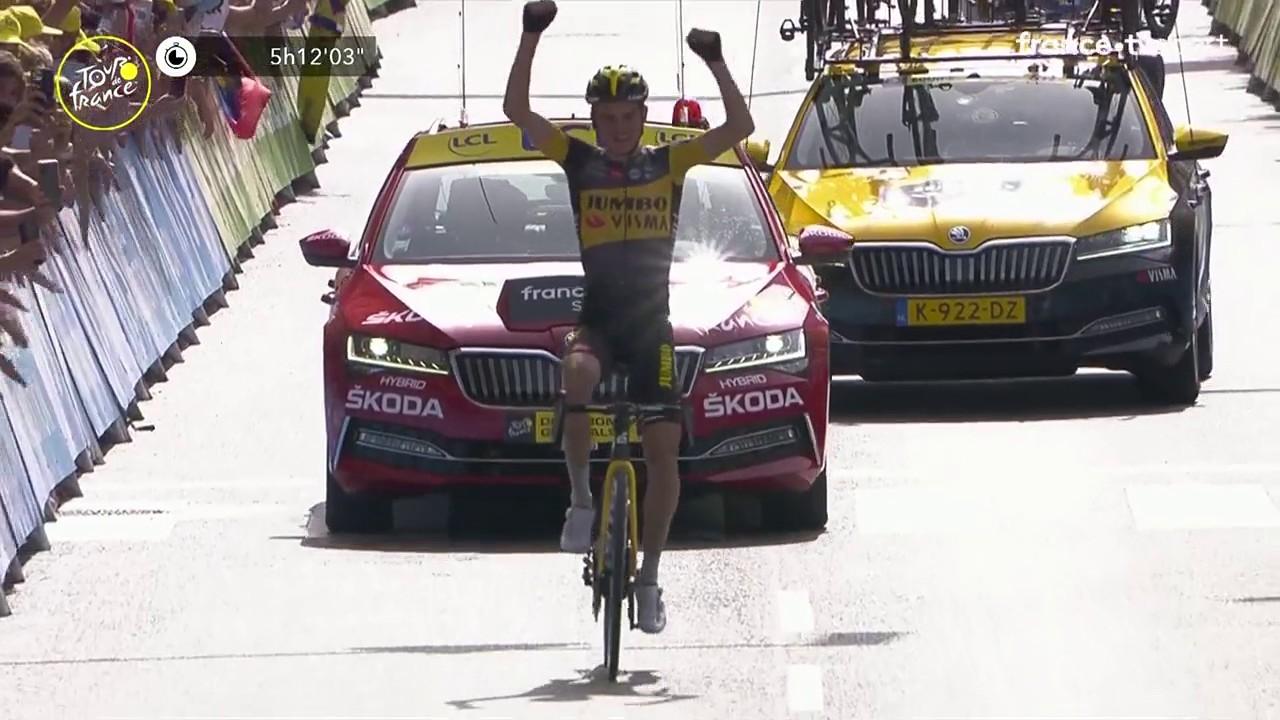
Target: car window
<point x="521" y="211"/>
<point x="970" y="120"/>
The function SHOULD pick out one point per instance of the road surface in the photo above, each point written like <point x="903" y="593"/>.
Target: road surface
<point x="1029" y="549"/>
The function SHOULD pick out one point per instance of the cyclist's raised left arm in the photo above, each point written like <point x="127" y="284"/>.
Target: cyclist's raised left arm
<point x="738" y="123"/>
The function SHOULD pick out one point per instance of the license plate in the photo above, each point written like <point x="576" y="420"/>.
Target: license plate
<point x="962" y="311"/>
<point x="601" y="428"/>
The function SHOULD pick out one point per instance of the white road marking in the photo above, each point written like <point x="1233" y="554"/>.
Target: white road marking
<point x="1201" y="506"/>
<point x="804" y="688"/>
<point x="795" y="615"/>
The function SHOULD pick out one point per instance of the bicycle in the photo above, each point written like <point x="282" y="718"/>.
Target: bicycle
<point x="610" y="566"/>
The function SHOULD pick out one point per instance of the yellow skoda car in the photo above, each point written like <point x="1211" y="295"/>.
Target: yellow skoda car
<point x="997" y="207"/>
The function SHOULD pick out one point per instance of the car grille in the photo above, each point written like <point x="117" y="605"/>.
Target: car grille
<point x="532" y="379"/>
<point x="996" y="268"/>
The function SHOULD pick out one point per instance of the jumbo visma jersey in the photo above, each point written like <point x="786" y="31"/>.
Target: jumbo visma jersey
<point x="626" y="215"/>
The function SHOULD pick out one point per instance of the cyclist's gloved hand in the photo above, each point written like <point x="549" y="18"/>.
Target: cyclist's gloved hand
<point x="538" y="14"/>
<point x="706" y="43"/>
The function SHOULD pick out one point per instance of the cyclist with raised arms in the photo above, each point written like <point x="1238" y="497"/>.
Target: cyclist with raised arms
<point x="626" y="201"/>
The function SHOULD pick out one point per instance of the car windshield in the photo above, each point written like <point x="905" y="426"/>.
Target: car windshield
<point x="970" y="120"/>
<point x="520" y="212"/>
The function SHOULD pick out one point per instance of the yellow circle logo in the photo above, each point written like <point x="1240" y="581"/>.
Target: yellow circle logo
<point x="95" y="88"/>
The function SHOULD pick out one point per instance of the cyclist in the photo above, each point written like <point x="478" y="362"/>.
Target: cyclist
<point x="626" y="200"/>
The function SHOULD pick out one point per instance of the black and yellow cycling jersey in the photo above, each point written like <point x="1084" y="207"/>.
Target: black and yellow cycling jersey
<point x="626" y="215"/>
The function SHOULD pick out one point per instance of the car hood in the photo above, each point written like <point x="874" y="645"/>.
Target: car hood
<point x="991" y="200"/>
<point x="535" y="302"/>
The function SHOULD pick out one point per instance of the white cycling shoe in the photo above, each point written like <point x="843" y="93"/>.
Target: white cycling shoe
<point x="651" y="612"/>
<point x="575" y="536"/>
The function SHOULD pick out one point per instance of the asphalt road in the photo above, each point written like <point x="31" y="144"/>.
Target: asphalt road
<point x="1027" y="549"/>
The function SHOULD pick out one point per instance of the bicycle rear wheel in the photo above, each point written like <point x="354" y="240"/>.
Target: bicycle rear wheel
<point x="616" y="572"/>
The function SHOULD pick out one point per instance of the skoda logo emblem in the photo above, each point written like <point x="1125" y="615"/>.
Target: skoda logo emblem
<point x="958" y="234"/>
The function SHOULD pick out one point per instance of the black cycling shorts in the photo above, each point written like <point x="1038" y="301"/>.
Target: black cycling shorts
<point x="647" y="351"/>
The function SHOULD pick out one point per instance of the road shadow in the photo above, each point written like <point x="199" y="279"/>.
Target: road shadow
<point x="1087" y="395"/>
<point x="643" y="685"/>
<point x="522" y="521"/>
<point x="827" y="640"/>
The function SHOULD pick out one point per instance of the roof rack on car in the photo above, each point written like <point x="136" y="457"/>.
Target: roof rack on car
<point x="839" y="39"/>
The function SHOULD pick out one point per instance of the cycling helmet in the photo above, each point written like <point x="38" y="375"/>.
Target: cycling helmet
<point x="617" y="82"/>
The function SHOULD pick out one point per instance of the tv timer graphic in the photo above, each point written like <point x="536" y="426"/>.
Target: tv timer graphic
<point x="263" y="56"/>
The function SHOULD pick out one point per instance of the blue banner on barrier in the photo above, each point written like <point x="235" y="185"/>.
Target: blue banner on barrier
<point x="89" y="388"/>
<point x="83" y="281"/>
<point x="145" y="208"/>
<point x="38" y="414"/>
<point x="15" y="503"/>
<point x="121" y="273"/>
<point x="202" y="252"/>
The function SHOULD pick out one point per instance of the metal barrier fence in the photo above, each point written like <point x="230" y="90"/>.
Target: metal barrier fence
<point x="1253" y="26"/>
<point x="138" y="283"/>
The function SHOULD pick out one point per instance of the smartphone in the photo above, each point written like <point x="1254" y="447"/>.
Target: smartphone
<point x="50" y="180"/>
<point x="21" y="139"/>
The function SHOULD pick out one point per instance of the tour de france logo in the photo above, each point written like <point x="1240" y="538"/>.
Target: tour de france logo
<point x="119" y="76"/>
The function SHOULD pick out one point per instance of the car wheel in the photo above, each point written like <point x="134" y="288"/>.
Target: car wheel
<point x="1177" y="384"/>
<point x="354" y="513"/>
<point x="807" y="510"/>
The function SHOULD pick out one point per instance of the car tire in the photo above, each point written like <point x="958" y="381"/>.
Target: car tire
<point x="1205" y="342"/>
<point x="806" y="510"/>
<point x="354" y="513"/>
<point x="1177" y="384"/>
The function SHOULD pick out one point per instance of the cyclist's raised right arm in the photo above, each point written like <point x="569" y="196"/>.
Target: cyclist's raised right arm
<point x="548" y="138"/>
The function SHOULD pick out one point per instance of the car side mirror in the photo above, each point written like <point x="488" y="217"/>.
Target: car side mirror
<point x="1197" y="144"/>
<point x="326" y="249"/>
<point x="758" y="151"/>
<point x="822" y="244"/>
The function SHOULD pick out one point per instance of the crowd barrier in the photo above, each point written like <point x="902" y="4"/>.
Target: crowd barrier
<point x="1253" y="26"/>
<point x="137" y="283"/>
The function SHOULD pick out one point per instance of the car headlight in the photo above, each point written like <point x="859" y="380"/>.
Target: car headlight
<point x="1146" y="236"/>
<point x="383" y="352"/>
<point x="785" y="350"/>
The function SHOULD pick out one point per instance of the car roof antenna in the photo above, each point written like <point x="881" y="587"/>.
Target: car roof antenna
<point x="751" y="86"/>
<point x="462" y="66"/>
<point x="1182" y="71"/>
<point x="680" y="47"/>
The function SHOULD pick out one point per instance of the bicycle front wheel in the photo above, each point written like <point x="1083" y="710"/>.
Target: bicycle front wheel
<point x="616" y="572"/>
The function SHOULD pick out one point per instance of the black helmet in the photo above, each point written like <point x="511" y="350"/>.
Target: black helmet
<point x="617" y="82"/>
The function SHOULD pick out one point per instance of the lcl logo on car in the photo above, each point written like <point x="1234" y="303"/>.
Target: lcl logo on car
<point x="471" y="145"/>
